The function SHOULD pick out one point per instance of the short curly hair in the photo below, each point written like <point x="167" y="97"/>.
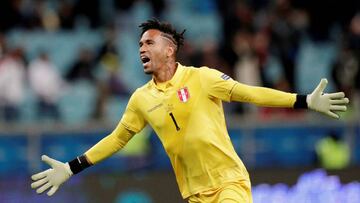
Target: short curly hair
<point x="166" y="28"/>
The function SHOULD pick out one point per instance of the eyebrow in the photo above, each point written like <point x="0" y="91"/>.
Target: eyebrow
<point x="147" y="40"/>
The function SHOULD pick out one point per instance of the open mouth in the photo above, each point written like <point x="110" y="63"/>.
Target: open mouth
<point x="145" y="59"/>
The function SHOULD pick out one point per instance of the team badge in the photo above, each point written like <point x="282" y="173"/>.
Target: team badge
<point x="183" y="94"/>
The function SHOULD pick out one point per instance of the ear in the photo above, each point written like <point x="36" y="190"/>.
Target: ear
<point x="170" y="50"/>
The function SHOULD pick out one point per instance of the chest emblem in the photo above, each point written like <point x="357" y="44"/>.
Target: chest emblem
<point x="183" y="94"/>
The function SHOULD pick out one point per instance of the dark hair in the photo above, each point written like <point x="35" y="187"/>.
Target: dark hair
<point x="166" y="28"/>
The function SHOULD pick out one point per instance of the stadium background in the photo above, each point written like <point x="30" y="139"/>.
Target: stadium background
<point x="93" y="46"/>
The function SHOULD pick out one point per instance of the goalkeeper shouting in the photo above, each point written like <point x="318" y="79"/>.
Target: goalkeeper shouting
<point x="184" y="107"/>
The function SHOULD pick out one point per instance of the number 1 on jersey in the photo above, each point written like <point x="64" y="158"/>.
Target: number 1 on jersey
<point x="174" y="120"/>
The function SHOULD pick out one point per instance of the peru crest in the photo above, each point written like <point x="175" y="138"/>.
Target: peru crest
<point x="183" y="94"/>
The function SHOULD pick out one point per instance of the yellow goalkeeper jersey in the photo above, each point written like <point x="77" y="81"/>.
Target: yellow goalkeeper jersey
<point x="187" y="115"/>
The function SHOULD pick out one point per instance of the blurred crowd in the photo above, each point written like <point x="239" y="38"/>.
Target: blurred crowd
<point x="252" y="35"/>
<point x="46" y="82"/>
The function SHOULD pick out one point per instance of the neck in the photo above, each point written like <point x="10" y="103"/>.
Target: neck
<point x="166" y="73"/>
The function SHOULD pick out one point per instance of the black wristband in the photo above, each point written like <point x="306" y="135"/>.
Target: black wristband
<point x="300" y="102"/>
<point x="79" y="164"/>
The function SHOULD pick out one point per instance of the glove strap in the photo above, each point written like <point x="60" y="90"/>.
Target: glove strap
<point x="300" y="102"/>
<point x="79" y="164"/>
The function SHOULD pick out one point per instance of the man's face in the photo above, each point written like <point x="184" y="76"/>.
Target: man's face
<point x="152" y="47"/>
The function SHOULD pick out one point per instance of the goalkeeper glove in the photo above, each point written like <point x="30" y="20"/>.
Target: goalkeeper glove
<point x="328" y="104"/>
<point x="53" y="177"/>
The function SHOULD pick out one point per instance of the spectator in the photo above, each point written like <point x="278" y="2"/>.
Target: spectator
<point x="9" y="15"/>
<point x="246" y="69"/>
<point x="47" y="85"/>
<point x="66" y="15"/>
<point x="108" y="74"/>
<point x="333" y="153"/>
<point x="12" y="77"/>
<point x="354" y="44"/>
<point x="2" y="44"/>
<point x="235" y="15"/>
<point x="346" y="69"/>
<point x="286" y="25"/>
<point x="83" y="68"/>
<point x="157" y="6"/>
<point x="90" y="10"/>
<point x="246" y="66"/>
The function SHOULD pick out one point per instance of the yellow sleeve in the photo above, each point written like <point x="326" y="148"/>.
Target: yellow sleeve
<point x="132" y="118"/>
<point x="262" y="96"/>
<point x="109" y="145"/>
<point x="216" y="83"/>
<point x="131" y="123"/>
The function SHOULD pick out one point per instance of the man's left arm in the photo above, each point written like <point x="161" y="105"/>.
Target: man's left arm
<point x="221" y="86"/>
<point x="328" y="104"/>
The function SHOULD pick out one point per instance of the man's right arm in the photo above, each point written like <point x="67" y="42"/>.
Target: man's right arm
<point x="131" y="123"/>
<point x="60" y="172"/>
<point x="103" y="149"/>
<point x="109" y="145"/>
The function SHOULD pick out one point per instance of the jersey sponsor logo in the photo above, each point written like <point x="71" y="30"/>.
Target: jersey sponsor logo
<point x="225" y="77"/>
<point x="183" y="94"/>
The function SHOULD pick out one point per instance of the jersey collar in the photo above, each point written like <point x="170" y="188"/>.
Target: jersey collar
<point x="172" y="82"/>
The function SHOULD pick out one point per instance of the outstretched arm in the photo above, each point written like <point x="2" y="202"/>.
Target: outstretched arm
<point x="328" y="104"/>
<point x="221" y="86"/>
<point x="262" y="96"/>
<point x="60" y="172"/>
<point x="109" y="145"/>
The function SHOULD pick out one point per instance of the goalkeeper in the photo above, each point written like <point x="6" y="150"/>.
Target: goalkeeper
<point x="184" y="107"/>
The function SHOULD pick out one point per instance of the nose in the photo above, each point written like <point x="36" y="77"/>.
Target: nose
<point x="142" y="49"/>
